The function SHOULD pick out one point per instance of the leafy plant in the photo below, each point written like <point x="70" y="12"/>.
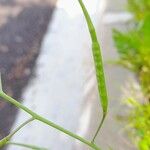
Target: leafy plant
<point x="139" y="124"/>
<point x="134" y="51"/>
<point x="133" y="48"/>
<point x="140" y="8"/>
<point x="102" y="92"/>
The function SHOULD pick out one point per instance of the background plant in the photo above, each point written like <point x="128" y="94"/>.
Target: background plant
<point x="138" y="126"/>
<point x="134" y="51"/>
<point x="133" y="47"/>
<point x="140" y="8"/>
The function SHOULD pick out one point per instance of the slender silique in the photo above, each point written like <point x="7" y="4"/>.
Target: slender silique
<point x="98" y="62"/>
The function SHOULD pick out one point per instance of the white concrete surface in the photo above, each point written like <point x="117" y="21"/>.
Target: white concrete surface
<point x="57" y="92"/>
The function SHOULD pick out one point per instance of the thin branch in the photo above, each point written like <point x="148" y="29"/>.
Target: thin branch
<point x="20" y="127"/>
<point x="5" y="140"/>
<point x="26" y="146"/>
<point x="98" y="129"/>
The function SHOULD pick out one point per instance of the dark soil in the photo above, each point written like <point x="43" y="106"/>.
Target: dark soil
<point x="20" y="42"/>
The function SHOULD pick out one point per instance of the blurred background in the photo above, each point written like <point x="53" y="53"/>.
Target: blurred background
<point x="46" y="64"/>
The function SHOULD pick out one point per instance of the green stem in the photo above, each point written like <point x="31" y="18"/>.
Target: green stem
<point x="21" y="144"/>
<point x="4" y="141"/>
<point x="20" y="127"/>
<point x="26" y="146"/>
<point x="44" y="120"/>
<point x="98" y="129"/>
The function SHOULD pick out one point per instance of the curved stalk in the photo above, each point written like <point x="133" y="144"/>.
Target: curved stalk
<point x="98" y="129"/>
<point x="19" y="128"/>
<point x="4" y="141"/>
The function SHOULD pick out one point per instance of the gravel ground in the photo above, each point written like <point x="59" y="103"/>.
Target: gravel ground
<point x="22" y="27"/>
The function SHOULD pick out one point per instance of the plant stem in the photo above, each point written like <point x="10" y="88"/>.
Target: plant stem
<point x="44" y="120"/>
<point x="98" y="129"/>
<point x="4" y="141"/>
<point x="20" y="127"/>
<point x="26" y="145"/>
<point x="21" y="144"/>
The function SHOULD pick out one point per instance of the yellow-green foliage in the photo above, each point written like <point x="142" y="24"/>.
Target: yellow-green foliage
<point x="139" y="8"/>
<point x="134" y="51"/>
<point x="139" y="124"/>
<point x="133" y="48"/>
